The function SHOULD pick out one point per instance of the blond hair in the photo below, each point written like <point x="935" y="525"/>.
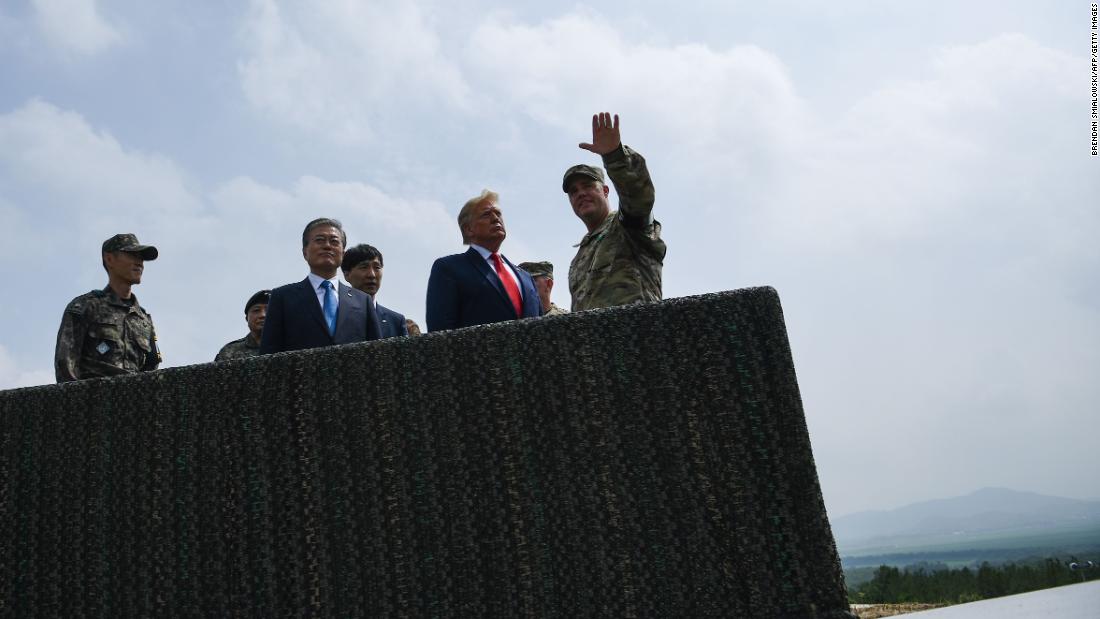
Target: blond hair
<point x="464" y="215"/>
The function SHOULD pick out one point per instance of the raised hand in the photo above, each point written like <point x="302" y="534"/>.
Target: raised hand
<point x="605" y="134"/>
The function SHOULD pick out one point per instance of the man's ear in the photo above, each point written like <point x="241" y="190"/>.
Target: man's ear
<point x="606" y="191"/>
<point x="549" y="284"/>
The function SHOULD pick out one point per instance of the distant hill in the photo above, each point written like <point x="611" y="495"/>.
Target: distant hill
<point x="989" y="512"/>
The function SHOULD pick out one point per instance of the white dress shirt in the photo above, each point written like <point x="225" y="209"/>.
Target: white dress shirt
<point x="315" y="281"/>
<point x="487" y="255"/>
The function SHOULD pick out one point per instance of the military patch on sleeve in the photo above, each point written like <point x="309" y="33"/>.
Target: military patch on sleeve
<point x="102" y="348"/>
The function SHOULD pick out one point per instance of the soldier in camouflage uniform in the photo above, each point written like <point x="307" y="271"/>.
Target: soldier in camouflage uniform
<point x="106" y="332"/>
<point x="619" y="261"/>
<point x="255" y="310"/>
<point x="543" y="275"/>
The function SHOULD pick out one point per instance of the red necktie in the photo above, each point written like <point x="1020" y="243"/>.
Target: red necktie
<point x="509" y="284"/>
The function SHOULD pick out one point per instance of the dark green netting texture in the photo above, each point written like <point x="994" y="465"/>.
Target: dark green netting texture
<point x="643" y="461"/>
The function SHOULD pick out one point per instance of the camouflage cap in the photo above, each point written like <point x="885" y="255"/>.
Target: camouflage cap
<point x="129" y="243"/>
<point x="581" y="169"/>
<point x="538" y="269"/>
<point x="262" y="296"/>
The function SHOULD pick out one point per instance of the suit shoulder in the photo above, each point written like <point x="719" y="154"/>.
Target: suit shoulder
<point x="286" y="291"/>
<point x="396" y="316"/>
<point x="450" y="258"/>
<point x="448" y="263"/>
<point x="354" y="292"/>
<point x="285" y="287"/>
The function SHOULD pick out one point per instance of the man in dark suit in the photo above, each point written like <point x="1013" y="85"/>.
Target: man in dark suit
<point x="319" y="310"/>
<point x="480" y="286"/>
<point x="362" y="267"/>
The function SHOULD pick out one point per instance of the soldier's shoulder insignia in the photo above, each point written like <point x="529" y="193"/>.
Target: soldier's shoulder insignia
<point x="78" y="305"/>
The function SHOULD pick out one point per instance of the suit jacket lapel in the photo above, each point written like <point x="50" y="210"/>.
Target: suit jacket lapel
<point x="349" y="303"/>
<point x="313" y="308"/>
<point x="483" y="267"/>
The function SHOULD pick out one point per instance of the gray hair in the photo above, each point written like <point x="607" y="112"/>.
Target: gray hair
<point x="324" y="221"/>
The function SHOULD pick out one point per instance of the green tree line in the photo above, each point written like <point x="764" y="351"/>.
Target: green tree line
<point x="938" y="584"/>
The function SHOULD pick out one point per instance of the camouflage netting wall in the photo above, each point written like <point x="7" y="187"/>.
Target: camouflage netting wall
<point x="644" y="461"/>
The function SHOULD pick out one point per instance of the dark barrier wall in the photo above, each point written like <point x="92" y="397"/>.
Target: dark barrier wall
<point x="647" y="461"/>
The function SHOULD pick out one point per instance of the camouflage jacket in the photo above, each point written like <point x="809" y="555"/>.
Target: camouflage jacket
<point x="102" y="335"/>
<point x="554" y="310"/>
<point x="620" y="261"/>
<point x="239" y="349"/>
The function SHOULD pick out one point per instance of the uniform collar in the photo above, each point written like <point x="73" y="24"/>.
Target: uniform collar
<point x="114" y="299"/>
<point x="600" y="230"/>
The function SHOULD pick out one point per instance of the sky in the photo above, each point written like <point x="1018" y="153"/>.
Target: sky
<point x="915" y="180"/>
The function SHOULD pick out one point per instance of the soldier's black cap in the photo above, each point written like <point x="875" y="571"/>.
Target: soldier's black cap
<point x="129" y="243"/>
<point x="591" y="172"/>
<point x="262" y="296"/>
<point x="538" y="269"/>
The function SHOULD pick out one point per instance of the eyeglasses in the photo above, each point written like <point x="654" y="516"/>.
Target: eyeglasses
<point x="327" y="240"/>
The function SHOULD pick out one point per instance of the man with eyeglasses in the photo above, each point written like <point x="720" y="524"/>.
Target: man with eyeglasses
<point x="319" y="310"/>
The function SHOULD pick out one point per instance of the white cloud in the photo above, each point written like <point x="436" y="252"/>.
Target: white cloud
<point x="945" y="219"/>
<point x="75" y="25"/>
<point x="372" y="208"/>
<point x="83" y="182"/>
<point x="43" y="143"/>
<point x="338" y="68"/>
<point x="953" y="153"/>
<point x="13" y="377"/>
<point x="732" y="110"/>
<point x="365" y="210"/>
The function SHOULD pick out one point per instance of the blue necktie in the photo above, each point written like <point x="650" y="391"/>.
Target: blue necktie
<point x="329" y="308"/>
